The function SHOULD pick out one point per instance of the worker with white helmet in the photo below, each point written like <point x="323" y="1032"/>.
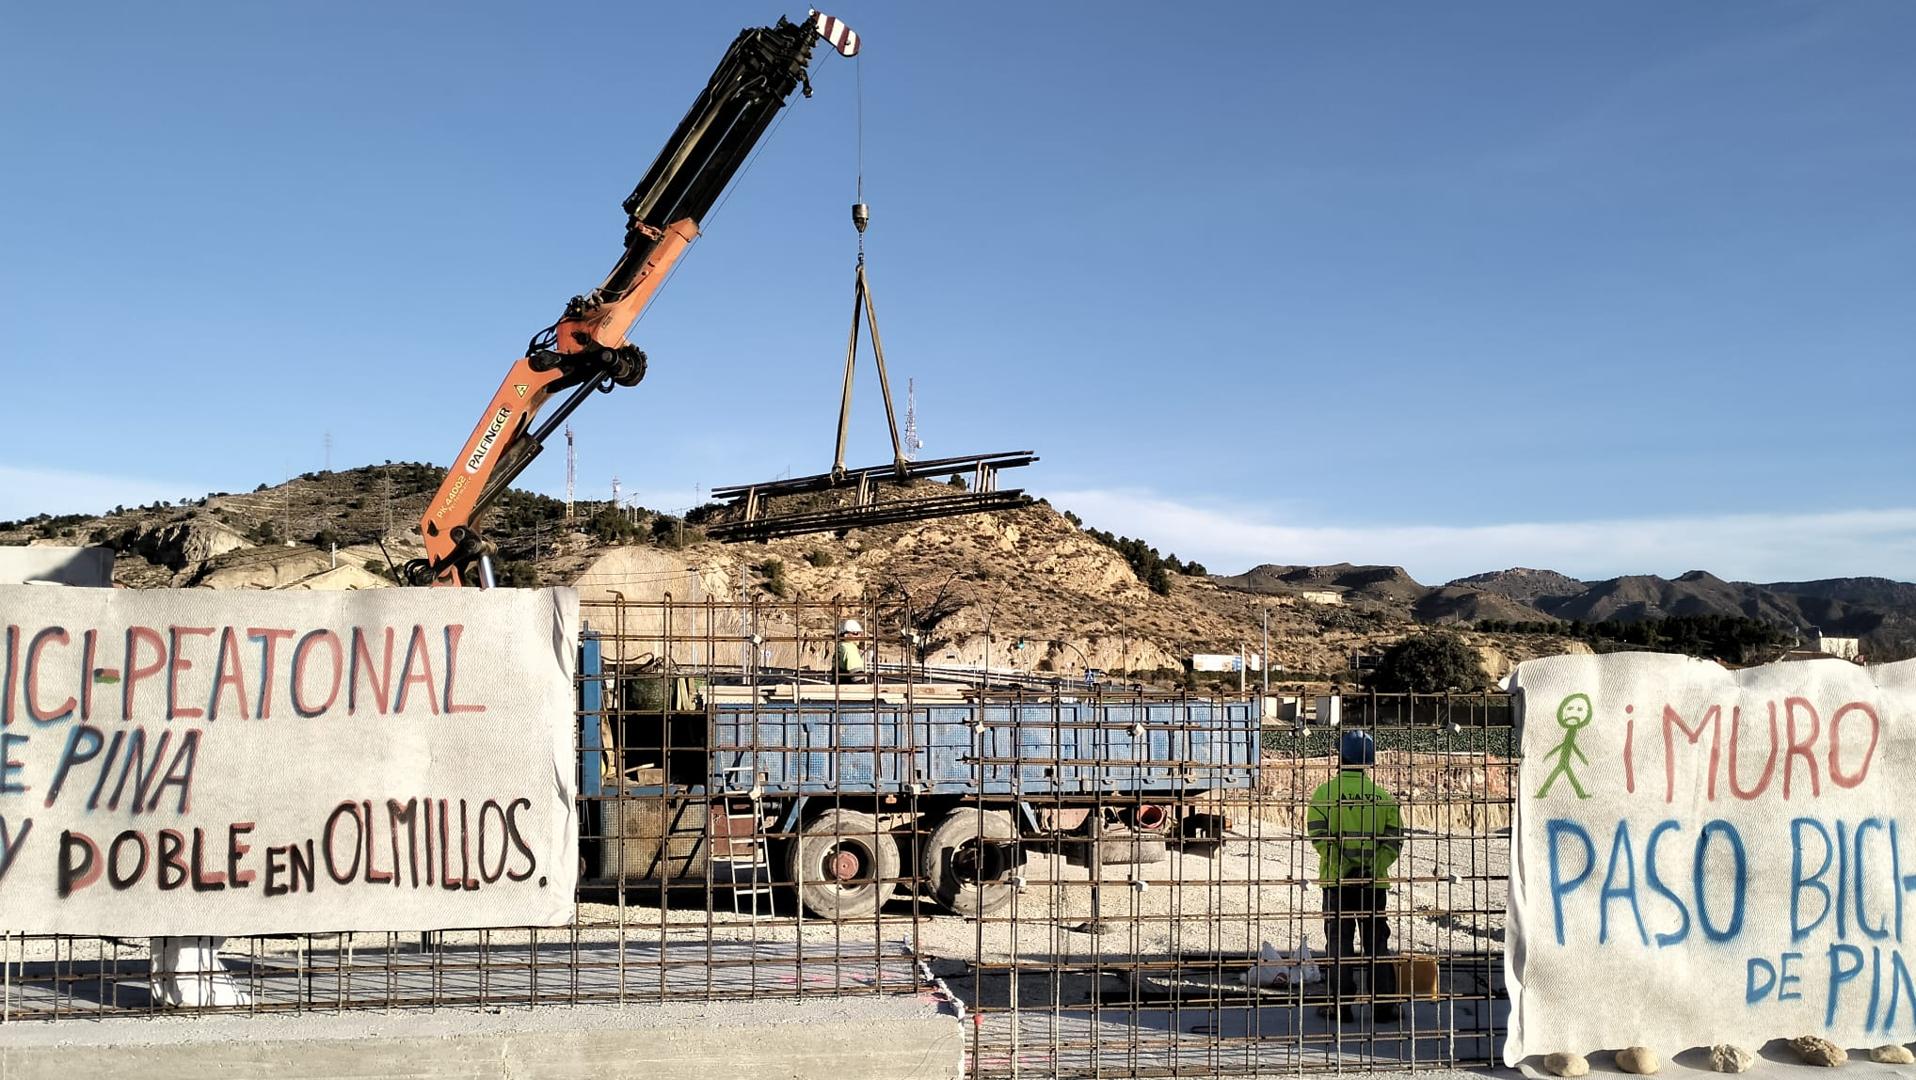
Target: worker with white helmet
<point x="849" y="658"/>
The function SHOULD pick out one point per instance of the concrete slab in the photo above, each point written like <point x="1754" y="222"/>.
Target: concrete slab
<point x="394" y="972"/>
<point x="1227" y="1040"/>
<point x="860" y="1038"/>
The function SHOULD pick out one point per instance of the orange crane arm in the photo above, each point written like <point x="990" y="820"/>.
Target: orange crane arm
<point x="586" y="351"/>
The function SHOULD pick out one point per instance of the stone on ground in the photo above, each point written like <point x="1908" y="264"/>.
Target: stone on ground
<point x="1563" y="1063"/>
<point x="1725" y="1058"/>
<point x="1892" y="1054"/>
<point x="1638" y="1059"/>
<point x="1815" y="1050"/>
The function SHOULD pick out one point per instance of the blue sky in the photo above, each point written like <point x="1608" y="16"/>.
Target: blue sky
<point x="1610" y="288"/>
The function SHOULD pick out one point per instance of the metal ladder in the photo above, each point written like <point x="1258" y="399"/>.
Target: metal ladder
<point x="748" y="873"/>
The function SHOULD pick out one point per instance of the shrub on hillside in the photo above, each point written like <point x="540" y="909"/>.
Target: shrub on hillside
<point x="771" y="574"/>
<point x="1150" y="567"/>
<point x="1429" y="664"/>
<point x="668" y="531"/>
<point x="612" y="527"/>
<point x="518" y="574"/>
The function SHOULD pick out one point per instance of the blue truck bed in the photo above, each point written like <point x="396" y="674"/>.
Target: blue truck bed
<point x="991" y="748"/>
<point x="1025" y="749"/>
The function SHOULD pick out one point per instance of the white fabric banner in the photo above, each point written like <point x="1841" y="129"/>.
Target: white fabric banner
<point x="192" y="762"/>
<point x="1708" y="856"/>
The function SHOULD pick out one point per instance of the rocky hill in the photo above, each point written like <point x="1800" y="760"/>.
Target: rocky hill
<point x="1467" y="606"/>
<point x="278" y="536"/>
<point x="1879" y="610"/>
<point x="1533" y="588"/>
<point x="1382" y="589"/>
<point x="1389" y="586"/>
<point x="1637" y="597"/>
<point x="1873" y="608"/>
<point x="976" y="585"/>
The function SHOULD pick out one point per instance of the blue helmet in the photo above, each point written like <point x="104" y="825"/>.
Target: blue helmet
<point x="1357" y="748"/>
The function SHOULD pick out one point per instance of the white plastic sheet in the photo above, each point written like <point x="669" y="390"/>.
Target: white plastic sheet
<point x="199" y="763"/>
<point x="1708" y="856"/>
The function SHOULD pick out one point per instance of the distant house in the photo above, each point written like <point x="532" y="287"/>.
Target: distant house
<point x="1845" y="648"/>
<point x="1227" y="662"/>
<point x="1328" y="597"/>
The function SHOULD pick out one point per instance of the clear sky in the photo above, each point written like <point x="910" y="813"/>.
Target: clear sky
<point x="1609" y="288"/>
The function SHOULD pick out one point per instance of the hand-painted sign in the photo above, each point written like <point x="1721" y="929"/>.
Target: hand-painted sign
<point x="190" y="762"/>
<point x="1705" y="856"/>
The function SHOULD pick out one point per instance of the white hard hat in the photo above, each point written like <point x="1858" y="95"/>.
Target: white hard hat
<point x="850" y="626"/>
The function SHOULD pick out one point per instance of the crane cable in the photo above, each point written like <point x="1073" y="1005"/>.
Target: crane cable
<point x="858" y="95"/>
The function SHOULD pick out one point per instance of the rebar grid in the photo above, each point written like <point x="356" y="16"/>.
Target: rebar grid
<point x="1106" y="879"/>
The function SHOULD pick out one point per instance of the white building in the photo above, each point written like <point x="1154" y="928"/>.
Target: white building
<point x="1227" y="662"/>
<point x="1847" y="648"/>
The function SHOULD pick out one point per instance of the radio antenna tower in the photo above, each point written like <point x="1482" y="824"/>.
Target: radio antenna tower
<point x="571" y="470"/>
<point x="912" y="442"/>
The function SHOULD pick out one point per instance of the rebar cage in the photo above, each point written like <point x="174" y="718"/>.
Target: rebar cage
<point x="1101" y="878"/>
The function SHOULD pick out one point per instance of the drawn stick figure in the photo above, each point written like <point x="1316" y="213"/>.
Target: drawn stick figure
<point x="1572" y="714"/>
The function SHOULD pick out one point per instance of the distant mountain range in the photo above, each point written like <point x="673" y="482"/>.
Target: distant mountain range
<point x="1879" y="610"/>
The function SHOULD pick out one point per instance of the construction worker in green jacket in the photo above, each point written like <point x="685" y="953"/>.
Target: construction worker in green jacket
<point x="849" y="656"/>
<point x="1356" y="829"/>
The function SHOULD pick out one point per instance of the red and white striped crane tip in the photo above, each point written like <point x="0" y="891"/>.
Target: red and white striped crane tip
<point x="842" y="37"/>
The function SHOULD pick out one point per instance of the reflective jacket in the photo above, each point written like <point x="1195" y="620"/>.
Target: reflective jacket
<point x="849" y="659"/>
<point x="1355" y="827"/>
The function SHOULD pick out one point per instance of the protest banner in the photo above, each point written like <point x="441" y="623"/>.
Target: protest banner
<point x="1708" y="856"/>
<point x="192" y="762"/>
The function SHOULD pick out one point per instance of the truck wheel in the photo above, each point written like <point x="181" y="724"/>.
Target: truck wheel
<point x="969" y="859"/>
<point x="844" y="865"/>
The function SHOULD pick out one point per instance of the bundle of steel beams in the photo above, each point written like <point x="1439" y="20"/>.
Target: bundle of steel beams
<point x="866" y="507"/>
<point x="857" y="517"/>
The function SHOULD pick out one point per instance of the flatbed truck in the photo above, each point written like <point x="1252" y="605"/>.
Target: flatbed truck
<point x="851" y="794"/>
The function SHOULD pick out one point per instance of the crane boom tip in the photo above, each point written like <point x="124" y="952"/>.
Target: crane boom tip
<point x="841" y="37"/>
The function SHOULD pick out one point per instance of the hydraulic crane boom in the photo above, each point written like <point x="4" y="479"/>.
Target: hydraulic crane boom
<point x="586" y="350"/>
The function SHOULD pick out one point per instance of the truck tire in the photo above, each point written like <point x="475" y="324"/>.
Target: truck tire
<point x="844" y="865"/>
<point x="968" y="861"/>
